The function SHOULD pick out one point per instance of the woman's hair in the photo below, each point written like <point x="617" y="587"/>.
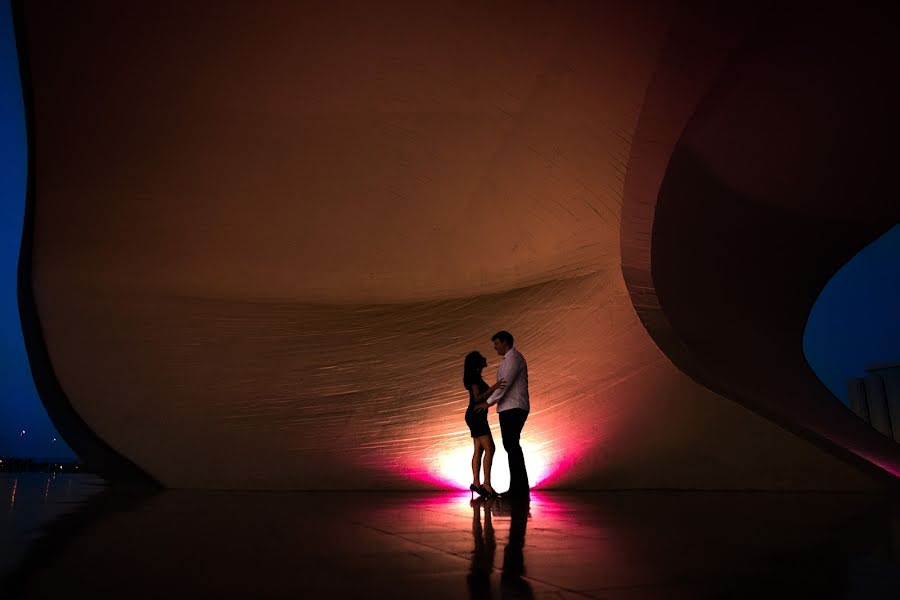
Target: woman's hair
<point x="472" y="368"/>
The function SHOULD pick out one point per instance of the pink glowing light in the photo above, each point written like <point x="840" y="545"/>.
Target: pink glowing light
<point x="448" y="464"/>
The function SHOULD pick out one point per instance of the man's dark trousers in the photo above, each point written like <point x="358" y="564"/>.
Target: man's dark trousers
<point x="511" y="423"/>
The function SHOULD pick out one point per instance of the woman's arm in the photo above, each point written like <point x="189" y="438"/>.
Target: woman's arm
<point x="480" y="397"/>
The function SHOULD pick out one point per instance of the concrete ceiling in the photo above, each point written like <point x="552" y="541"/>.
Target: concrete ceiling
<point x="265" y="235"/>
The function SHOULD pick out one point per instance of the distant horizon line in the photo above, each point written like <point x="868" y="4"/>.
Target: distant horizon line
<point x="43" y="459"/>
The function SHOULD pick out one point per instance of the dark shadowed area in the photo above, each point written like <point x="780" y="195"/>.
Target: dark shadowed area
<point x="627" y="545"/>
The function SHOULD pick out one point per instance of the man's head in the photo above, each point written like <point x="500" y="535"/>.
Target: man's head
<point x="503" y="341"/>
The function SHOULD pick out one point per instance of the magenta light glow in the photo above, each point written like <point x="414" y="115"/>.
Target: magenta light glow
<point x="448" y="462"/>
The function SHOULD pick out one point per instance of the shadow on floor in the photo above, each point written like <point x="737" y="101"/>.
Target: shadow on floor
<point x="628" y="545"/>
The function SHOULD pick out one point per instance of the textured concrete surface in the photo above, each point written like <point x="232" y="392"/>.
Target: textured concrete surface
<point x="264" y="238"/>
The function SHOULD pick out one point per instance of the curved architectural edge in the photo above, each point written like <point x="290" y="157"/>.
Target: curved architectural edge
<point x="97" y="455"/>
<point x="700" y="48"/>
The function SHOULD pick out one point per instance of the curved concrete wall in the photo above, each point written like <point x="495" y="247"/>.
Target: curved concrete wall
<point x="782" y="173"/>
<point x="265" y="235"/>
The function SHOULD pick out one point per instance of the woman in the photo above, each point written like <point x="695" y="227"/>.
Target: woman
<point x="477" y="421"/>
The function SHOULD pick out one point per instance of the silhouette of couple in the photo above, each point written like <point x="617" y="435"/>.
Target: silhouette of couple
<point x="510" y="395"/>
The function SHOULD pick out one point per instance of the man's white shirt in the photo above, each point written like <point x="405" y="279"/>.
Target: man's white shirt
<point x="515" y="395"/>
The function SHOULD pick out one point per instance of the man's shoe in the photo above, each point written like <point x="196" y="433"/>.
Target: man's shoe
<point x="515" y="495"/>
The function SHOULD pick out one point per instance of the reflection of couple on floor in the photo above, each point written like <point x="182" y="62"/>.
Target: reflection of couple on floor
<point x="512" y="584"/>
<point x="510" y="395"/>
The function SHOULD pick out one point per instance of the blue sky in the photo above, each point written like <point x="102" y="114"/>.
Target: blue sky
<point x="20" y="407"/>
<point x="855" y="323"/>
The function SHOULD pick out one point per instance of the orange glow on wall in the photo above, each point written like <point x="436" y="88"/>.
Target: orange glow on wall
<point x="263" y="246"/>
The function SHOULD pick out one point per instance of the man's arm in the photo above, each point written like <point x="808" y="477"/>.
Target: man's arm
<point x="482" y="395"/>
<point x="508" y="371"/>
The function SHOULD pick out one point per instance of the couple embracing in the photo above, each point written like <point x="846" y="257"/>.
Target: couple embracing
<point x="510" y="395"/>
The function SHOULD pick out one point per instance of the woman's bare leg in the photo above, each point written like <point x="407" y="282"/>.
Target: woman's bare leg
<point x="476" y="461"/>
<point x="487" y="444"/>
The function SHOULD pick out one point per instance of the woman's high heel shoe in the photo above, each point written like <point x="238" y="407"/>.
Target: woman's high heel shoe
<point x="478" y="490"/>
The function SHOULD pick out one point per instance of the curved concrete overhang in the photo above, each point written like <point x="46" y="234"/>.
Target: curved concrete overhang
<point x="91" y="448"/>
<point x="760" y="166"/>
<point x="263" y="236"/>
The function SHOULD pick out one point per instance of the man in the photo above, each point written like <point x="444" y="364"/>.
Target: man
<point x="512" y="407"/>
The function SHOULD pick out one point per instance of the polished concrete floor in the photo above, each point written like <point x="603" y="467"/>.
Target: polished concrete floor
<point x="69" y="535"/>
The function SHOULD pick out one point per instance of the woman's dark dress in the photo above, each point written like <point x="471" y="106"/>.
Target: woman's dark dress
<point x="477" y="421"/>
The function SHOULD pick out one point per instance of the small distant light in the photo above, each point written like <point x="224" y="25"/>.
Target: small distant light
<point x="54" y="439"/>
<point x="23" y="432"/>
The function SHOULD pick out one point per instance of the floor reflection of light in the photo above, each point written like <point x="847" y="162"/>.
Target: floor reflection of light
<point x="12" y="496"/>
<point x="462" y="503"/>
<point x="456" y="502"/>
<point x="551" y="511"/>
